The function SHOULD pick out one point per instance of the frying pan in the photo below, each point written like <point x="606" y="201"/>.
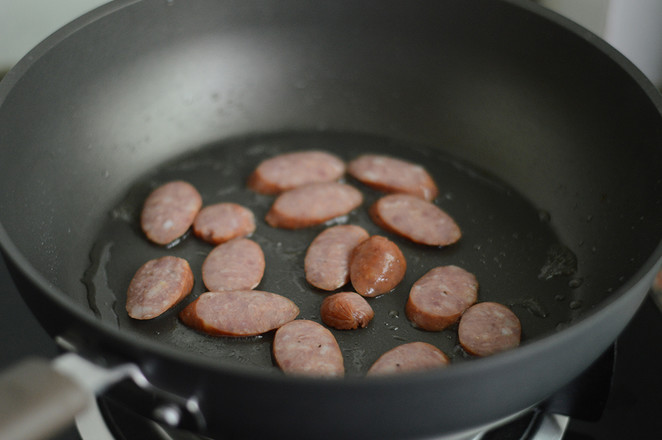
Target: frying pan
<point x="545" y="142"/>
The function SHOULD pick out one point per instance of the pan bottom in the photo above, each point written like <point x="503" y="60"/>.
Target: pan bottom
<point x="508" y="243"/>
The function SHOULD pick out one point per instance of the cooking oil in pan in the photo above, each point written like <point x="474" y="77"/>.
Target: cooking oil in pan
<point x="507" y="243"/>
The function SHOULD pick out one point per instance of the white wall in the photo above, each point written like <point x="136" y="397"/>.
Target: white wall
<point x="592" y="14"/>
<point x="634" y="27"/>
<point x="24" y="23"/>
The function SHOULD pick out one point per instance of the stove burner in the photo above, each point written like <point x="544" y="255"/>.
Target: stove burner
<point x="584" y="398"/>
<point x="109" y="421"/>
<point x="534" y="425"/>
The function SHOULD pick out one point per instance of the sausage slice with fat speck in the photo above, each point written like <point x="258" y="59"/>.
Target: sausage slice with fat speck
<point x="169" y="211"/>
<point x="393" y="175"/>
<point x="222" y="222"/>
<point x="235" y="265"/>
<point x="438" y="298"/>
<point x="312" y="204"/>
<point x="307" y="348"/>
<point x="415" y="219"/>
<point x="326" y="263"/>
<point x="488" y="328"/>
<point x="291" y="170"/>
<point x="158" y="285"/>
<point x="413" y="356"/>
<point x="238" y="312"/>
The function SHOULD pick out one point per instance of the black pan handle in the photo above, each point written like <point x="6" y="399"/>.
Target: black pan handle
<point x="39" y="397"/>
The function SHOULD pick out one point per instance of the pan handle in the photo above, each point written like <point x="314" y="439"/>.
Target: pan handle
<point x="39" y="397"/>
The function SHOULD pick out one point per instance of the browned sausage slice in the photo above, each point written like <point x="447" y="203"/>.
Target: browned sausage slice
<point x="238" y="313"/>
<point x="157" y="286"/>
<point x="440" y="296"/>
<point x="290" y="170"/>
<point x="419" y="221"/>
<point x="307" y="348"/>
<point x="235" y="265"/>
<point x="488" y="328"/>
<point x="327" y="259"/>
<point x="377" y="265"/>
<point x="169" y="211"/>
<point x="393" y="175"/>
<point x="657" y="282"/>
<point x="222" y="222"/>
<point x="346" y="311"/>
<point x="414" y="356"/>
<point x="312" y="204"/>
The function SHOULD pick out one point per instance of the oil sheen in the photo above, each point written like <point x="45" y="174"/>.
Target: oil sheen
<point x="505" y="242"/>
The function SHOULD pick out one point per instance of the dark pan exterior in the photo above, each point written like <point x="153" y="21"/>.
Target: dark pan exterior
<point x="514" y="90"/>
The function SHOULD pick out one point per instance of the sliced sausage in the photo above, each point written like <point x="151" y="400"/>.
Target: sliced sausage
<point x="377" y="265"/>
<point x="238" y="312"/>
<point x="307" y="348"/>
<point x="419" y="221"/>
<point x="488" y="328"/>
<point x="312" y="204"/>
<point x="438" y="298"/>
<point x="346" y="311"/>
<point x="235" y="265"/>
<point x="327" y="259"/>
<point x="157" y="286"/>
<point x="290" y="170"/>
<point x="169" y="211"/>
<point x="222" y="222"/>
<point x="414" y="356"/>
<point x="393" y="175"/>
<point x="657" y="282"/>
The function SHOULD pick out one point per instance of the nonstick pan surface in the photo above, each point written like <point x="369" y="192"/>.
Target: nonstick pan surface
<point x="544" y="142"/>
<point x="507" y="243"/>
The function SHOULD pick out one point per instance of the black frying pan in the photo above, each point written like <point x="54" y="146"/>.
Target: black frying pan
<point x="544" y="141"/>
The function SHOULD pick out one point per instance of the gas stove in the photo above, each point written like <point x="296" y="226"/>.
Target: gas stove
<point x="629" y="408"/>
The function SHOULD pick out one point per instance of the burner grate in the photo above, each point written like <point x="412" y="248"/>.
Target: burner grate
<point x="110" y="421"/>
<point x="584" y="398"/>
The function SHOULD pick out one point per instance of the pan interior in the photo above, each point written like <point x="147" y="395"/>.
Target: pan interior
<point x="507" y="243"/>
<point x="558" y="116"/>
